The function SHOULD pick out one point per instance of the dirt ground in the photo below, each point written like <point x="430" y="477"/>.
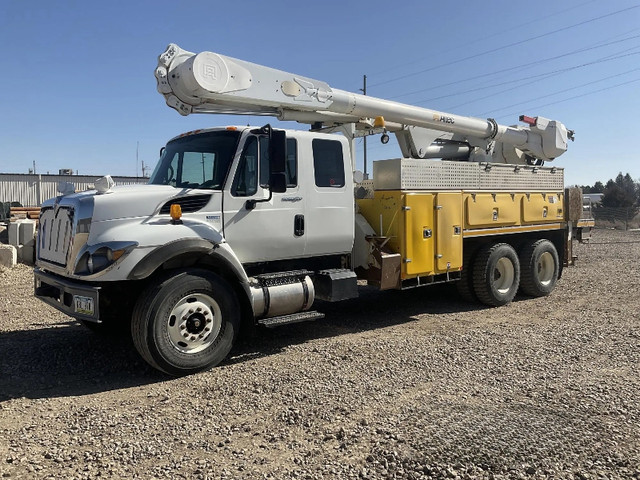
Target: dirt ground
<point x="414" y="384"/>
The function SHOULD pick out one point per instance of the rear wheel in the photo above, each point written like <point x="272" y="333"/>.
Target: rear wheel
<point x="186" y="322"/>
<point x="496" y="274"/>
<point x="540" y="268"/>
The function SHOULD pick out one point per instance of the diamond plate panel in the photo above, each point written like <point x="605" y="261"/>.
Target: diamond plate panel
<point x="413" y="174"/>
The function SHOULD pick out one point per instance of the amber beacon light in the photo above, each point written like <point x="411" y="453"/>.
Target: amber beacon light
<point x="176" y="213"/>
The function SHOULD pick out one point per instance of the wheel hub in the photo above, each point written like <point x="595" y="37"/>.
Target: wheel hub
<point x="194" y="323"/>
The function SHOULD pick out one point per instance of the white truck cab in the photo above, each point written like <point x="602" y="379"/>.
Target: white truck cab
<point x="97" y="252"/>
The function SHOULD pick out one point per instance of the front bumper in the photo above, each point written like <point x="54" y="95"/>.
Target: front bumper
<point x="73" y="298"/>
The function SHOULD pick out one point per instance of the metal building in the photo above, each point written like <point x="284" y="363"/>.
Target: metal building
<point x="33" y="189"/>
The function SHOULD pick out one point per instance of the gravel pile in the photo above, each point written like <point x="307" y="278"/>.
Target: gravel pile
<point x="407" y="385"/>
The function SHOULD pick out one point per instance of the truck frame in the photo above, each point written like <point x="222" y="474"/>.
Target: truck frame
<point x="250" y="225"/>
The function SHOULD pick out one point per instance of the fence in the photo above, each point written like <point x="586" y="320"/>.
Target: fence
<point x="618" y="218"/>
<point x="30" y="190"/>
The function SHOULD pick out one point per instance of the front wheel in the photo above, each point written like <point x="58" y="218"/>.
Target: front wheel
<point x="496" y="274"/>
<point x="185" y="322"/>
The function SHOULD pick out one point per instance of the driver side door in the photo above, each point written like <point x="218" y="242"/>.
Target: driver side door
<point x="274" y="228"/>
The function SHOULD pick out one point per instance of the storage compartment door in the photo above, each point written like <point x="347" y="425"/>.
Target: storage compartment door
<point x="418" y="235"/>
<point x="448" y="252"/>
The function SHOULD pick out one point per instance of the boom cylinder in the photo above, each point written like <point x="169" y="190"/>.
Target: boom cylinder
<point x="366" y="106"/>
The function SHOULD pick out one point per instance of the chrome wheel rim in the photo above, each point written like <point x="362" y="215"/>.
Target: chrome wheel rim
<point x="503" y="275"/>
<point x="194" y="323"/>
<point x="546" y="268"/>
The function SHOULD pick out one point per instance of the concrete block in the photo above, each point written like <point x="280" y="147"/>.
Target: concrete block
<point x="13" y="233"/>
<point x="29" y="252"/>
<point x="26" y="231"/>
<point x="8" y="255"/>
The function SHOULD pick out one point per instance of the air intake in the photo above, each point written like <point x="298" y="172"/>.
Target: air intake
<point x="189" y="203"/>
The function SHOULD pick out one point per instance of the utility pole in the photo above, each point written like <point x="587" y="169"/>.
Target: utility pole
<point x="364" y="92"/>
<point x="137" y="148"/>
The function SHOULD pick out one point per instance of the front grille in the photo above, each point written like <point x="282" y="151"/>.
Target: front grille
<point x="188" y="204"/>
<point x="55" y="234"/>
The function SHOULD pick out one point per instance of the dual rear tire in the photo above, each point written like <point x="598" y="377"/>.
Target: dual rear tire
<point x="496" y="272"/>
<point x="540" y="268"/>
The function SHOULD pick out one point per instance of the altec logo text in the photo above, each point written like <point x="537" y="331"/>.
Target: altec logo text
<point x="443" y="119"/>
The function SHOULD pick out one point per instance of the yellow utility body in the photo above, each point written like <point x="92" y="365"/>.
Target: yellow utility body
<point x="428" y="229"/>
<point x="415" y="212"/>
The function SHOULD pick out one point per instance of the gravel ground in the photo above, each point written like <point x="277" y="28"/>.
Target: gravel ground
<point x="408" y="385"/>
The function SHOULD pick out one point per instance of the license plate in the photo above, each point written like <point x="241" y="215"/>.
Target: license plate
<point x="83" y="305"/>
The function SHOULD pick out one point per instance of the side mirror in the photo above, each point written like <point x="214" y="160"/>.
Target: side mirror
<point x="278" y="182"/>
<point x="277" y="163"/>
<point x="277" y="151"/>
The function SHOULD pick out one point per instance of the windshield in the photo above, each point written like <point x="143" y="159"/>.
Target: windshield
<point x="196" y="161"/>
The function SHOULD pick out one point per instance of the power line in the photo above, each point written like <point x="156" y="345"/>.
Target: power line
<point x="565" y="90"/>
<point x="536" y="78"/>
<point x="504" y="47"/>
<point x="530" y="64"/>
<point x="574" y="97"/>
<point x="501" y="32"/>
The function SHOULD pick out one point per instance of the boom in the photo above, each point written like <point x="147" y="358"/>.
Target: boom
<point x="208" y="82"/>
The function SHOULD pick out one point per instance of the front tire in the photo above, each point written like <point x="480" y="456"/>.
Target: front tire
<point x="186" y="322"/>
<point x="540" y="268"/>
<point x="496" y="274"/>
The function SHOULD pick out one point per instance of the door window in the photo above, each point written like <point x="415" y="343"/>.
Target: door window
<point x="246" y="181"/>
<point x="254" y="165"/>
<point x="328" y="163"/>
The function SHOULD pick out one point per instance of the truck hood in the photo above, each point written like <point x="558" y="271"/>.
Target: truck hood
<point x="136" y="200"/>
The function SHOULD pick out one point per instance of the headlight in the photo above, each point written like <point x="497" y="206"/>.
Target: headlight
<point x="95" y="260"/>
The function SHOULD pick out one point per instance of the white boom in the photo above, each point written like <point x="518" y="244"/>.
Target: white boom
<point x="208" y="82"/>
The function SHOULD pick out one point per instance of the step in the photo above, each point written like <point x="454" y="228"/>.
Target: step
<point x="282" y="278"/>
<point x="273" y="322"/>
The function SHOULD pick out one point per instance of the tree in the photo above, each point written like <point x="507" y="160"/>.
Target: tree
<point x="621" y="192"/>
<point x="598" y="187"/>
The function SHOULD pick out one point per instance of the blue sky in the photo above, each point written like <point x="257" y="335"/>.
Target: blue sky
<point x="78" y="90"/>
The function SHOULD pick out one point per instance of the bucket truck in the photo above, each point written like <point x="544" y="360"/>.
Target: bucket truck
<point x="252" y="225"/>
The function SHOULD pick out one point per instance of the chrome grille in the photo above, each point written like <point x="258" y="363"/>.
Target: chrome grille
<point x="55" y="235"/>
